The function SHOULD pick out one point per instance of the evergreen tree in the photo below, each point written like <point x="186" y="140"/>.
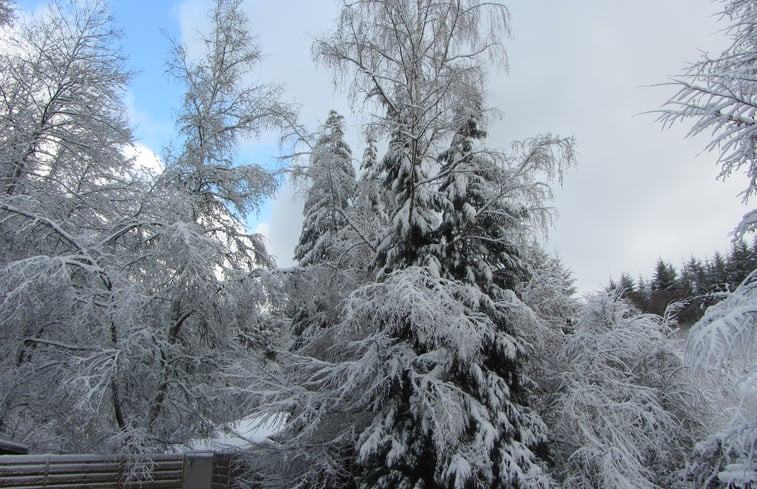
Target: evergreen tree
<point x="717" y="273"/>
<point x="330" y="194"/>
<point x="371" y="189"/>
<point x="369" y="211"/>
<point x="419" y="383"/>
<point x="694" y="277"/>
<point x="412" y="207"/>
<point x="485" y="204"/>
<point x="739" y="264"/>
<point x="664" y="277"/>
<point x="626" y="284"/>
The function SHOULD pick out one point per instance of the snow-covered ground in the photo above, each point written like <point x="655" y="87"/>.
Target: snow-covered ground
<point x="248" y="433"/>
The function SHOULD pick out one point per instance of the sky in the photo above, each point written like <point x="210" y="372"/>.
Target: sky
<point x="591" y="69"/>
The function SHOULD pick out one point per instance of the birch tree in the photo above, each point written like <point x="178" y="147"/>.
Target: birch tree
<point x="420" y="64"/>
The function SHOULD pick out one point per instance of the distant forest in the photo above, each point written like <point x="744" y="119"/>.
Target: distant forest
<point x="692" y="287"/>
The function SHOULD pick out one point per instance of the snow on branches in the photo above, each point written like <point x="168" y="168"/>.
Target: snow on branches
<point x="432" y="365"/>
<point x="621" y="407"/>
<point x="720" y="96"/>
<point x="722" y="354"/>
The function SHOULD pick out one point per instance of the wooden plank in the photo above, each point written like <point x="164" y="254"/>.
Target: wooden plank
<point x="112" y="484"/>
<point x="86" y="476"/>
<point x="107" y="472"/>
<point x="161" y="470"/>
<point x="221" y="471"/>
<point x="107" y="485"/>
<point x="65" y="458"/>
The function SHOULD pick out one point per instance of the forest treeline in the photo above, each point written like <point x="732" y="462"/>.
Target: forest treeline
<point x="423" y="340"/>
<point x="692" y="287"/>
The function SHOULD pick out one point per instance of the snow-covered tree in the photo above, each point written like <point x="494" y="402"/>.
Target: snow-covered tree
<point x="6" y="11"/>
<point x="665" y="276"/>
<point x="622" y="417"/>
<point x="65" y="184"/>
<point x="722" y="353"/>
<point x="220" y="108"/>
<point x="490" y="202"/>
<point x="371" y="204"/>
<point x="128" y="309"/>
<point x="420" y="63"/>
<point x="550" y="288"/>
<point x="416" y="385"/>
<point x="330" y="193"/>
<point x="418" y="382"/>
<point x="719" y="95"/>
<point x="62" y="119"/>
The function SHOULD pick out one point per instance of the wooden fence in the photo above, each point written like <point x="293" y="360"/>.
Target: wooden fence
<point x="200" y="470"/>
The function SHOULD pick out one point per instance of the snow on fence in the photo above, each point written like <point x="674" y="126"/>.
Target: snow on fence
<point x="180" y="471"/>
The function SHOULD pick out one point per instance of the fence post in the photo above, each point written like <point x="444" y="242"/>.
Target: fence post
<point x="198" y="471"/>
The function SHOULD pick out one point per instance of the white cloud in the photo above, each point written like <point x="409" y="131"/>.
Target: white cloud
<point x="144" y="158"/>
<point x="194" y="22"/>
<point x="638" y="193"/>
<point x="282" y="230"/>
<point x="577" y="68"/>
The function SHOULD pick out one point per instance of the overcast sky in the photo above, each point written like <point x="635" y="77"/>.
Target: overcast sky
<point x="580" y="68"/>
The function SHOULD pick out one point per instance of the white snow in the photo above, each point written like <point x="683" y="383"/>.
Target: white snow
<point x="248" y="433"/>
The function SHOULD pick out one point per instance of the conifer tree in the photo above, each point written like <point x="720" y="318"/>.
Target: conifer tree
<point x="477" y="232"/>
<point x="330" y="194"/>
<point x="664" y="277"/>
<point x="693" y="277"/>
<point x="717" y="273"/>
<point x="740" y="263"/>
<point x="419" y="382"/>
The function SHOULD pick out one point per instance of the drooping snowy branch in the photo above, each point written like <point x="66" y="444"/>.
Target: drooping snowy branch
<point x="719" y="95"/>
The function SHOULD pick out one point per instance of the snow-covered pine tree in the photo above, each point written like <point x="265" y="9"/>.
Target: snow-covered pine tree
<point x="369" y="163"/>
<point x="330" y="193"/>
<point x="411" y="204"/>
<point x="368" y="213"/>
<point x="331" y="240"/>
<point x="418" y="383"/>
<point x="488" y="202"/>
<point x="477" y="225"/>
<point x="371" y="198"/>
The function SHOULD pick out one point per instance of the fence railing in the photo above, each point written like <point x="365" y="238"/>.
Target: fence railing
<point x="199" y="470"/>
